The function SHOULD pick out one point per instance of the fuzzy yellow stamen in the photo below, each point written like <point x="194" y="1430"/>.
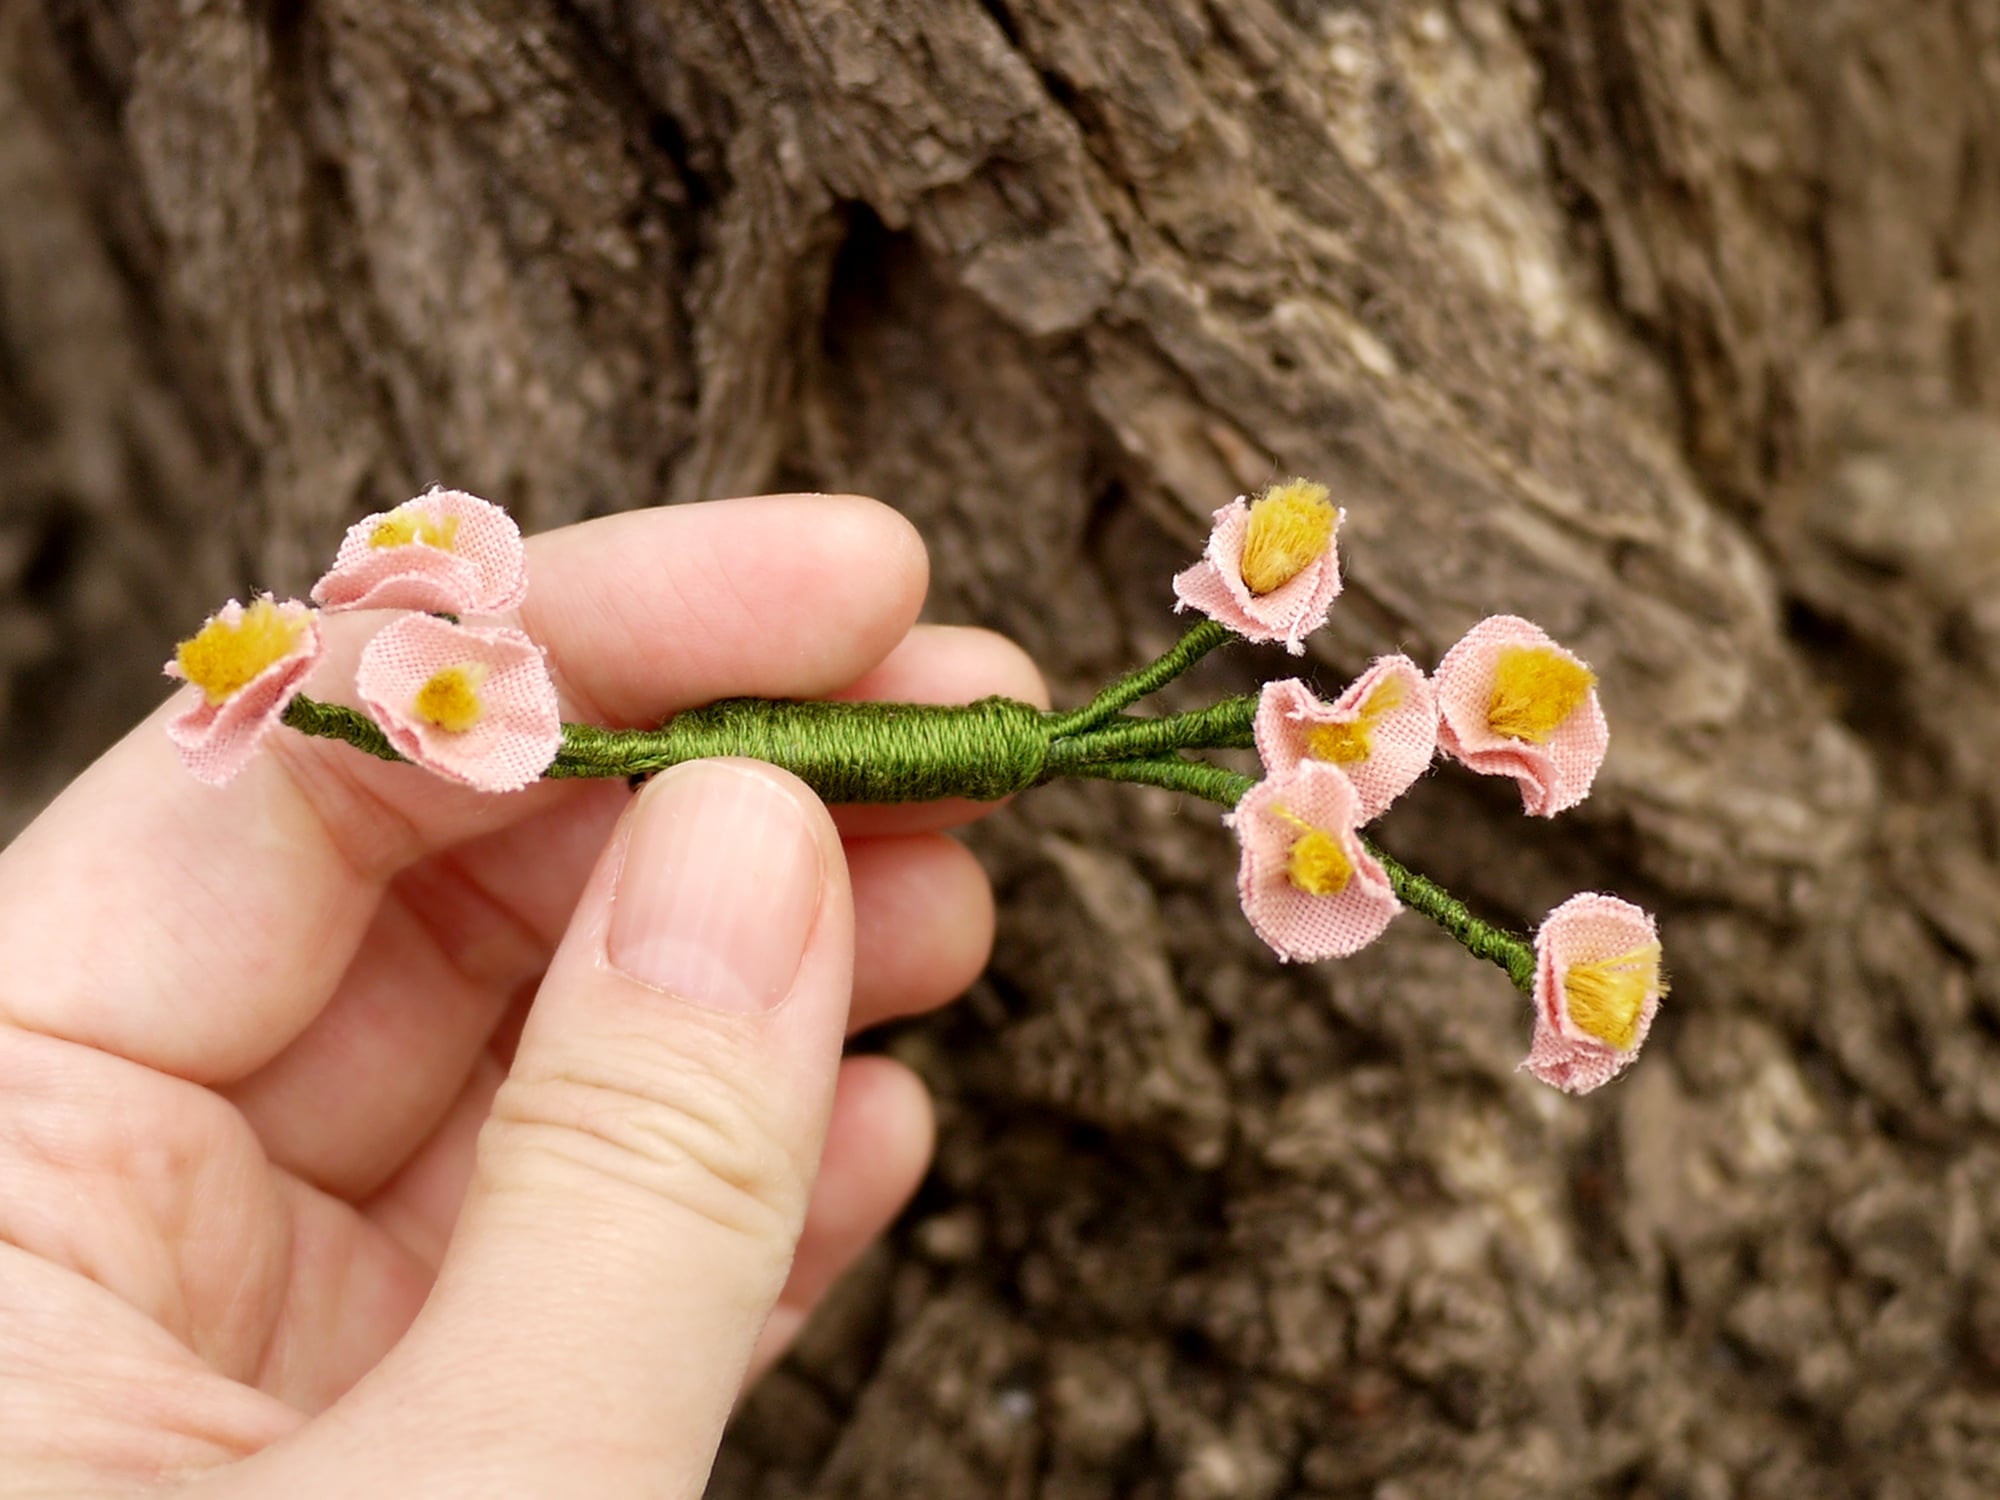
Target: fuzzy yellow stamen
<point x="1605" y="996"/>
<point x="409" y="523"/>
<point x="1319" y="866"/>
<point x="1534" y="690"/>
<point x="1343" y="744"/>
<point x="1291" y="526"/>
<point x="1349" y="744"/>
<point x="221" y="659"/>
<point x="451" y="700"/>
<point x="1386" y="699"/>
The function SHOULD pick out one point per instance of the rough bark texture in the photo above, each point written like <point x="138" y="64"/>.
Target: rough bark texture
<point x="1674" y="324"/>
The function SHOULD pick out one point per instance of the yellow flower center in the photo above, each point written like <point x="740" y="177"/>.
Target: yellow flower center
<point x="411" y="523"/>
<point x="451" y="700"/>
<point x="1350" y="743"/>
<point x="1535" y="688"/>
<point x="223" y="658"/>
<point x="1605" y="996"/>
<point x="1318" y="866"/>
<point x="1291" y="526"/>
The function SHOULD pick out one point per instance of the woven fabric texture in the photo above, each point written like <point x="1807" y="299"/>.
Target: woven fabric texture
<point x="1399" y="742"/>
<point x="1288" y="614"/>
<point x="1552" y="776"/>
<point x="1586" y="928"/>
<point x="1272" y="817"/>
<point x="216" y="740"/>
<point x="465" y="559"/>
<point x="519" y="725"/>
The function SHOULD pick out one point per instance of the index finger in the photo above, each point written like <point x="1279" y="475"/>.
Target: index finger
<point x="197" y="930"/>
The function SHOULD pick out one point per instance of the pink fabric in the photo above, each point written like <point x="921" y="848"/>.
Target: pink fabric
<point x="1289" y="614"/>
<point x="519" y="729"/>
<point x="1402" y="741"/>
<point x="1299" y="926"/>
<point x="216" y="740"/>
<point x="1553" y="776"/>
<point x="1586" y="928"/>
<point x="482" y="572"/>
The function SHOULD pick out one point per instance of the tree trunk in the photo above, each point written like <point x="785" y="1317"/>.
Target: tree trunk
<point x="1672" y="324"/>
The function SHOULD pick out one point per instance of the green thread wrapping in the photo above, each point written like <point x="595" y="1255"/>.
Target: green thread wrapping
<point x="900" y="752"/>
<point x="919" y="752"/>
<point x="331" y="721"/>
<point x="1129" y="689"/>
<point x="1225" y="725"/>
<point x="846" y="752"/>
<point x="1496" y="945"/>
<point x="1197" y="779"/>
<point x="877" y="752"/>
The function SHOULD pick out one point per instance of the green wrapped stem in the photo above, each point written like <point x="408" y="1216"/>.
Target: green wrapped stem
<point x="1210" y="783"/>
<point x="332" y="722"/>
<point x="898" y="752"/>
<point x="1496" y="945"/>
<point x="873" y="752"/>
<point x="920" y="752"/>
<point x="1201" y="638"/>
<point x="1221" y="726"/>
<point x="846" y="752"/>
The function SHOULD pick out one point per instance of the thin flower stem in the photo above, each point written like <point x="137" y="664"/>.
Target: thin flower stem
<point x="1508" y="950"/>
<point x="1221" y="726"/>
<point x="1197" y="779"/>
<point x="1496" y="945"/>
<point x="1129" y="689"/>
<point x="332" y="721"/>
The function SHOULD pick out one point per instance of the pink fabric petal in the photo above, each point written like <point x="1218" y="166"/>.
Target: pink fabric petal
<point x="1289" y="614"/>
<point x="483" y="571"/>
<point x="520" y="728"/>
<point x="1586" y="928"/>
<point x="1299" y="926"/>
<point x="1553" y="776"/>
<point x="216" y="740"/>
<point x="1402" y="740"/>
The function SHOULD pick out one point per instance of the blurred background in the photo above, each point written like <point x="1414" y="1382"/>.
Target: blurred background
<point x="1672" y="324"/>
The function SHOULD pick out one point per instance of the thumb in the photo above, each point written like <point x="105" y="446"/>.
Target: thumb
<point x="644" y="1175"/>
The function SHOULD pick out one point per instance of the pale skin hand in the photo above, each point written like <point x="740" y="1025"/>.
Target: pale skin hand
<point x="275" y="1216"/>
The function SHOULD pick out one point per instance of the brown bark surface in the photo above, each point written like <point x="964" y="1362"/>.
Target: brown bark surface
<point x="1673" y="324"/>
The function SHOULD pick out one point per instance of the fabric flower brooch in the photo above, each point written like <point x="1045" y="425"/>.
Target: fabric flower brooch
<point x="446" y="687"/>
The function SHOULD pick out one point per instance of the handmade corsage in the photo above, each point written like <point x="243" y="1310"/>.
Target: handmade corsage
<point x="470" y="699"/>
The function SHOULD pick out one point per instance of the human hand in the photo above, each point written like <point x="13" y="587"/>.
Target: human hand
<point x="284" y="1208"/>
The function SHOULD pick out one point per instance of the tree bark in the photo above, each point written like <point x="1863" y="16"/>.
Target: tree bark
<point x="1671" y="324"/>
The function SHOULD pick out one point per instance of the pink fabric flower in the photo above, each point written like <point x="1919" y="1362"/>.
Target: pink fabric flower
<point x="1288" y="610"/>
<point x="1514" y="703"/>
<point x="1382" y="731"/>
<point x="244" y="667"/>
<point x="472" y="704"/>
<point x="445" y="551"/>
<point x="1597" y="988"/>
<point x="1308" y="886"/>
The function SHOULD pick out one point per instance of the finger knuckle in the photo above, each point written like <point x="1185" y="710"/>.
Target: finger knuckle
<point x="663" y="1125"/>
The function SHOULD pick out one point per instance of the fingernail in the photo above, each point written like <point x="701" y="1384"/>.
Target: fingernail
<point x="719" y="888"/>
